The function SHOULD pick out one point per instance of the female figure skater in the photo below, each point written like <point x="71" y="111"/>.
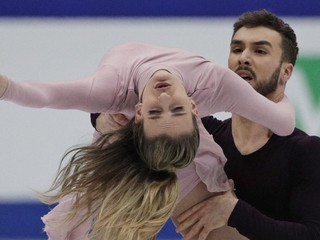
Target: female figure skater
<point x="124" y="186"/>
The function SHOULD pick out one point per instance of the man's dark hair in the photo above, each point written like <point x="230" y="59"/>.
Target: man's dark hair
<point x="267" y="19"/>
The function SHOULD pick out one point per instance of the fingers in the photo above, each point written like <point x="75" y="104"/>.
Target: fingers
<point x="231" y="183"/>
<point x="208" y="215"/>
<point x="113" y="124"/>
<point x="120" y="119"/>
<point x="232" y="187"/>
<point x="199" y="229"/>
<point x="195" y="230"/>
<point x="204" y="234"/>
<point x="110" y="122"/>
<point x="190" y="218"/>
<point x="182" y="217"/>
<point x="185" y="224"/>
<point x="3" y="84"/>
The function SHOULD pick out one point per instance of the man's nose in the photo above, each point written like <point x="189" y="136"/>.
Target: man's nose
<point x="245" y="58"/>
<point x="164" y="98"/>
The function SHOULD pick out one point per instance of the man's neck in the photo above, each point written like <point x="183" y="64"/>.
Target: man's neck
<point x="248" y="136"/>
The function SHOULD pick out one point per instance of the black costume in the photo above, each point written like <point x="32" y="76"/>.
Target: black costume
<point x="278" y="185"/>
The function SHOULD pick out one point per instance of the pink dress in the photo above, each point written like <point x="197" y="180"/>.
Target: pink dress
<point x="66" y="232"/>
<point x="117" y="85"/>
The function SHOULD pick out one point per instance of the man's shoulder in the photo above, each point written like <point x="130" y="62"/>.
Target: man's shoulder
<point x="303" y="142"/>
<point x="214" y="125"/>
<point x="301" y="136"/>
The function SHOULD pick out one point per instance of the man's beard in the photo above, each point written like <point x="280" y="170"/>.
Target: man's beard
<point x="269" y="86"/>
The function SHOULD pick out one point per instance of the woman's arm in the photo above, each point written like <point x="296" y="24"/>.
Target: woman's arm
<point x="93" y="94"/>
<point x="231" y="93"/>
<point x="3" y="84"/>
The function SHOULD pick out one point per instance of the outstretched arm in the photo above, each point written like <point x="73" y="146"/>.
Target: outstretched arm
<point x="231" y="93"/>
<point x="93" y="94"/>
<point x="3" y="84"/>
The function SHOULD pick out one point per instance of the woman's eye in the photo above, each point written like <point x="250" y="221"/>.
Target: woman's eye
<point x="154" y="112"/>
<point x="178" y="109"/>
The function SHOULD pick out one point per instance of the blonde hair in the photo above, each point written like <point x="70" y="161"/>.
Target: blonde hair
<point x="116" y="185"/>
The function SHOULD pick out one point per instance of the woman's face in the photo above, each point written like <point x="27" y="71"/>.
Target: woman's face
<point x="165" y="107"/>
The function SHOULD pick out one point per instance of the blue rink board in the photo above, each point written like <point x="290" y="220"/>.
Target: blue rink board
<point x="21" y="220"/>
<point x="153" y="8"/>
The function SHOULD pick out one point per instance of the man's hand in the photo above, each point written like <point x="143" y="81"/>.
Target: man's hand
<point x="3" y="84"/>
<point x="207" y="216"/>
<point x="109" y="122"/>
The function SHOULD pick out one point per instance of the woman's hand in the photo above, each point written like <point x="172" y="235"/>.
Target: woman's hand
<point x="109" y="122"/>
<point x="3" y="84"/>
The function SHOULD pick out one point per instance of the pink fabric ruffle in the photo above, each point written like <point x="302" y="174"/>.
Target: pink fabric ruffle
<point x="65" y="231"/>
<point x="208" y="167"/>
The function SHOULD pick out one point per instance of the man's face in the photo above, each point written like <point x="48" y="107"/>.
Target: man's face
<point x="165" y="107"/>
<point x="255" y="55"/>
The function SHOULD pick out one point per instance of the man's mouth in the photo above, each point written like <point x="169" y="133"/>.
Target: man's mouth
<point x="245" y="74"/>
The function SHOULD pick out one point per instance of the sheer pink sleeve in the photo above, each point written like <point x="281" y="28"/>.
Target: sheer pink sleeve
<point x="92" y="94"/>
<point x="230" y="93"/>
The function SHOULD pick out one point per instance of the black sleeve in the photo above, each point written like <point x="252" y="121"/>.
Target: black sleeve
<point x="304" y="202"/>
<point x="256" y="226"/>
<point x="93" y="118"/>
<point x="211" y="123"/>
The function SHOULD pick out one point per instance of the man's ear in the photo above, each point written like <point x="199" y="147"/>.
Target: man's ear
<point x="194" y="108"/>
<point x="138" y="115"/>
<point x="287" y="72"/>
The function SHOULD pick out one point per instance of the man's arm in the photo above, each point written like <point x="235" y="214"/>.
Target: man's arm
<point x="207" y="216"/>
<point x="303" y="204"/>
<point x="214" y="213"/>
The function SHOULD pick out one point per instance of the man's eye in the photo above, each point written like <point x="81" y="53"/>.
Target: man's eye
<point x="236" y="50"/>
<point x="260" y="51"/>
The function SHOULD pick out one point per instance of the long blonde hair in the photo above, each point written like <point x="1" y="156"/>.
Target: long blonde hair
<point x="129" y="195"/>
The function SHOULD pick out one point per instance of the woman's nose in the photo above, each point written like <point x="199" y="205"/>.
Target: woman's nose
<point x="164" y="98"/>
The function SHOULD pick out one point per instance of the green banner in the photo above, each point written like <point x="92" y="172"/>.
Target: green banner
<point x="307" y="94"/>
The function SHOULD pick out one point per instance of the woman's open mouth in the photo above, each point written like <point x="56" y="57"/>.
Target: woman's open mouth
<point x="162" y="86"/>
